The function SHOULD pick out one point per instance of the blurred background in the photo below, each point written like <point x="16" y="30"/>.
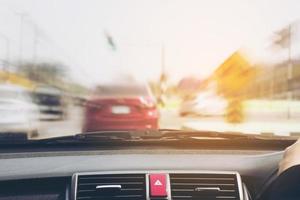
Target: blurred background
<point x="79" y="66"/>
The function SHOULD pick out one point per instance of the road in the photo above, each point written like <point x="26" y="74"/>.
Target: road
<point x="73" y="123"/>
<point x="171" y="120"/>
<point x="70" y="125"/>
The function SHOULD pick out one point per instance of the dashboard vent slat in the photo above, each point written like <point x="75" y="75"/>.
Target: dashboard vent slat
<point x="204" y="186"/>
<point x="133" y="187"/>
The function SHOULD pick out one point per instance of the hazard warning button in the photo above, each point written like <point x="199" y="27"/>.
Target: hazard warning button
<point x="158" y="185"/>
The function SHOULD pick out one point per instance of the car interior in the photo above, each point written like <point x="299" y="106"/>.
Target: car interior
<point x="188" y="170"/>
<point x="149" y="100"/>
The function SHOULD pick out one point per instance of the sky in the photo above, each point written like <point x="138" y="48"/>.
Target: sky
<point x="196" y="35"/>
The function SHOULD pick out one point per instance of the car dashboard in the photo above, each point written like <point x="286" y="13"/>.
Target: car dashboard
<point x="126" y="174"/>
<point x="158" y="185"/>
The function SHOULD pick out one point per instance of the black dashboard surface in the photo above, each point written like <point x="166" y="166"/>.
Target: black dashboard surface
<point x="255" y="167"/>
<point x="34" y="189"/>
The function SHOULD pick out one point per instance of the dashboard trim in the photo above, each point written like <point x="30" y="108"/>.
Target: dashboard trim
<point x="147" y="172"/>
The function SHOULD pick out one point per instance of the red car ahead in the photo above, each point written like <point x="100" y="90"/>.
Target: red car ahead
<point x="121" y="107"/>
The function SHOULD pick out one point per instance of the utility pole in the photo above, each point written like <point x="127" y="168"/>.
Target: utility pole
<point x="290" y="69"/>
<point x="162" y="59"/>
<point x="162" y="79"/>
<point x="35" y="49"/>
<point x="35" y="43"/>
<point x="7" y="46"/>
<point x="285" y="42"/>
<point x="22" y="16"/>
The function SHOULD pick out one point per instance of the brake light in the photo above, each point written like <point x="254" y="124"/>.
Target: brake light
<point x="152" y="113"/>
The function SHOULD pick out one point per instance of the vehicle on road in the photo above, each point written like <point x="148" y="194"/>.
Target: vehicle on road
<point x="50" y="101"/>
<point x="19" y="114"/>
<point x="120" y="140"/>
<point x="204" y="104"/>
<point x="121" y="107"/>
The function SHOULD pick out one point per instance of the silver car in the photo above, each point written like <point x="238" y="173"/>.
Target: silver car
<point x="19" y="115"/>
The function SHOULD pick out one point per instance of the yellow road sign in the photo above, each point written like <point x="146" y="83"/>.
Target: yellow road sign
<point x="234" y="74"/>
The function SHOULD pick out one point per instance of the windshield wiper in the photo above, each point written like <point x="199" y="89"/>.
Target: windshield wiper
<point x="107" y="136"/>
<point x="195" y="135"/>
<point x="162" y="135"/>
<point x="150" y="135"/>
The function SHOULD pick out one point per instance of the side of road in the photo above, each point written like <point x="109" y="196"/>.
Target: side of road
<point x="283" y="127"/>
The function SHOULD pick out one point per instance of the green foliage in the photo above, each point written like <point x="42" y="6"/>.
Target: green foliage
<point x="44" y="72"/>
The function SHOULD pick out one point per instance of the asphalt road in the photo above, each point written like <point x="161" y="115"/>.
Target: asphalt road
<point x="73" y="123"/>
<point x="69" y="126"/>
<point x="169" y="119"/>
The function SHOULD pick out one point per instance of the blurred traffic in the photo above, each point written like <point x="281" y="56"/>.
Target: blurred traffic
<point x="233" y="94"/>
<point x="46" y="94"/>
<point x="51" y="102"/>
<point x="130" y="106"/>
<point x="19" y="113"/>
<point x="205" y="104"/>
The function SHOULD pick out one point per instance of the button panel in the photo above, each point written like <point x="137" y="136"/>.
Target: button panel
<point x="158" y="185"/>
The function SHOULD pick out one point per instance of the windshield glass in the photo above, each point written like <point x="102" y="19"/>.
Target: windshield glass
<point x="119" y="65"/>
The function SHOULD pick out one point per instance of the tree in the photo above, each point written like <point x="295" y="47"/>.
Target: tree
<point x="44" y="72"/>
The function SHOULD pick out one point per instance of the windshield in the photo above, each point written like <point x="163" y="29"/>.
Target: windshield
<point x="123" y="65"/>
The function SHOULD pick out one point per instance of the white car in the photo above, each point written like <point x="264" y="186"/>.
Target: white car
<point x="204" y="104"/>
<point x="19" y="115"/>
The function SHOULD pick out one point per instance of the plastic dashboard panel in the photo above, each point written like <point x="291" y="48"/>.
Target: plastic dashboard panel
<point x="255" y="168"/>
<point x="146" y="172"/>
<point x="61" y="165"/>
<point x="35" y="189"/>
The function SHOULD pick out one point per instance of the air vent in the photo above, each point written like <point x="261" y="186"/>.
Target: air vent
<point x="111" y="187"/>
<point x="204" y="186"/>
